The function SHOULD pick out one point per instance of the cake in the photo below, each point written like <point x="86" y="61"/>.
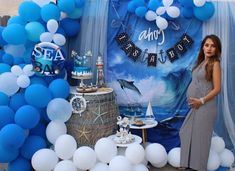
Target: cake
<point x="123" y="136"/>
<point x="82" y="72"/>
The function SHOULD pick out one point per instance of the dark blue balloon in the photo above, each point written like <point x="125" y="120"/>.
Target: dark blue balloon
<point x="27" y="117"/>
<point x="29" y="11"/>
<point x="38" y="95"/>
<point x="39" y="130"/>
<point x="2" y="41"/>
<point x="70" y="26"/>
<point x="204" y="12"/>
<point x="154" y="4"/>
<point x="31" y="145"/>
<point x="8" y="155"/>
<point x="38" y="80"/>
<point x="6" y="116"/>
<point x="4" y="68"/>
<point x="17" y="100"/>
<point x="66" y="6"/>
<point x="18" y="60"/>
<point x="79" y="3"/>
<point x="50" y="11"/>
<point x="59" y="88"/>
<point x="187" y="12"/>
<point x="141" y="11"/>
<point x="12" y="136"/>
<point x="4" y="99"/>
<point x="186" y="3"/>
<point x="14" y="34"/>
<point x="20" y="164"/>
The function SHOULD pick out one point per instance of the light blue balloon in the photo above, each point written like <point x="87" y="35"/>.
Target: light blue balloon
<point x="59" y="109"/>
<point x="154" y="4"/>
<point x="141" y="11"/>
<point x="37" y="95"/>
<point x="79" y="3"/>
<point x="27" y="117"/>
<point x="50" y="11"/>
<point x="131" y="7"/>
<point x="29" y="11"/>
<point x="34" y="30"/>
<point x="77" y="13"/>
<point x="20" y="164"/>
<point x="16" y="20"/>
<point x="66" y="6"/>
<point x="4" y="68"/>
<point x="14" y="34"/>
<point x="205" y="12"/>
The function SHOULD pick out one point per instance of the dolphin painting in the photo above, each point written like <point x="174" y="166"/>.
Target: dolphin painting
<point x="129" y="85"/>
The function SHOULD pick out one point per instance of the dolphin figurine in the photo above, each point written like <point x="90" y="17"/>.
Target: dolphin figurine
<point x="129" y="85"/>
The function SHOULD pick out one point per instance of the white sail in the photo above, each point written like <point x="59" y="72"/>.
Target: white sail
<point x="149" y="112"/>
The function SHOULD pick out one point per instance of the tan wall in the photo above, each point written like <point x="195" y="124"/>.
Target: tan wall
<point x="9" y="7"/>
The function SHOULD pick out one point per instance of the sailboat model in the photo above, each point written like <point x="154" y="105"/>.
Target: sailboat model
<point x="149" y="112"/>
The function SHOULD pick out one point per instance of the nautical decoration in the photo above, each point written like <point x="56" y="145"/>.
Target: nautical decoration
<point x="99" y="72"/>
<point x="78" y="104"/>
<point x="149" y="112"/>
<point x="47" y="59"/>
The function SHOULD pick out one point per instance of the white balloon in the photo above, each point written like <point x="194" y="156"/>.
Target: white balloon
<point x="14" y="50"/>
<point x="161" y="23"/>
<point x="65" y="165"/>
<point x="173" y="12"/>
<point x="140" y="167"/>
<point x="46" y="37"/>
<point x="65" y="146"/>
<point x="84" y="158"/>
<point x="23" y="81"/>
<point x="28" y="70"/>
<point x="54" y="130"/>
<point x="226" y="158"/>
<point x="161" y="164"/>
<point x="135" y="153"/>
<point x="119" y="163"/>
<point x="121" y="151"/>
<point x="217" y="144"/>
<point x="150" y="15"/>
<point x="44" y="160"/>
<point x="161" y="10"/>
<point x="16" y="70"/>
<point x="59" y="109"/>
<point x="100" y="167"/>
<point x="213" y="161"/>
<point x="159" y="156"/>
<point x="52" y="26"/>
<point x="167" y="3"/>
<point x="59" y="39"/>
<point x="173" y="157"/>
<point x="41" y="3"/>
<point x="8" y="83"/>
<point x="199" y="3"/>
<point x="102" y="146"/>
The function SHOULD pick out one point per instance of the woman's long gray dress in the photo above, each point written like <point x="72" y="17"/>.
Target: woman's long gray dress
<point x="196" y="131"/>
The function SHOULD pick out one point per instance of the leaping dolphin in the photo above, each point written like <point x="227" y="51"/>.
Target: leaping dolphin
<point x="129" y="85"/>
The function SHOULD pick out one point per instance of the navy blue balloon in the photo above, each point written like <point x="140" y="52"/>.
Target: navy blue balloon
<point x="4" y="68"/>
<point x="38" y="80"/>
<point x="39" y="130"/>
<point x="8" y="59"/>
<point x="16" y="20"/>
<point x="38" y="95"/>
<point x="31" y="145"/>
<point x="29" y="11"/>
<point x="187" y="12"/>
<point x="27" y="117"/>
<point x="20" y="164"/>
<point x="14" y="34"/>
<point x="8" y="155"/>
<point x="50" y="11"/>
<point x="60" y="88"/>
<point x="221" y="168"/>
<point x="4" y="99"/>
<point x="79" y="3"/>
<point x="17" y="100"/>
<point x="6" y="116"/>
<point x="12" y="136"/>
<point x="141" y="11"/>
<point x="204" y="12"/>
<point x="2" y="41"/>
<point x="70" y="26"/>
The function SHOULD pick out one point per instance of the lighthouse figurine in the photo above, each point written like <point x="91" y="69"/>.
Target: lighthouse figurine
<point x="100" y="72"/>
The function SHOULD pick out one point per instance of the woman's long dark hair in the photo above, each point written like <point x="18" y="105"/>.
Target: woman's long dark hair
<point x="216" y="57"/>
